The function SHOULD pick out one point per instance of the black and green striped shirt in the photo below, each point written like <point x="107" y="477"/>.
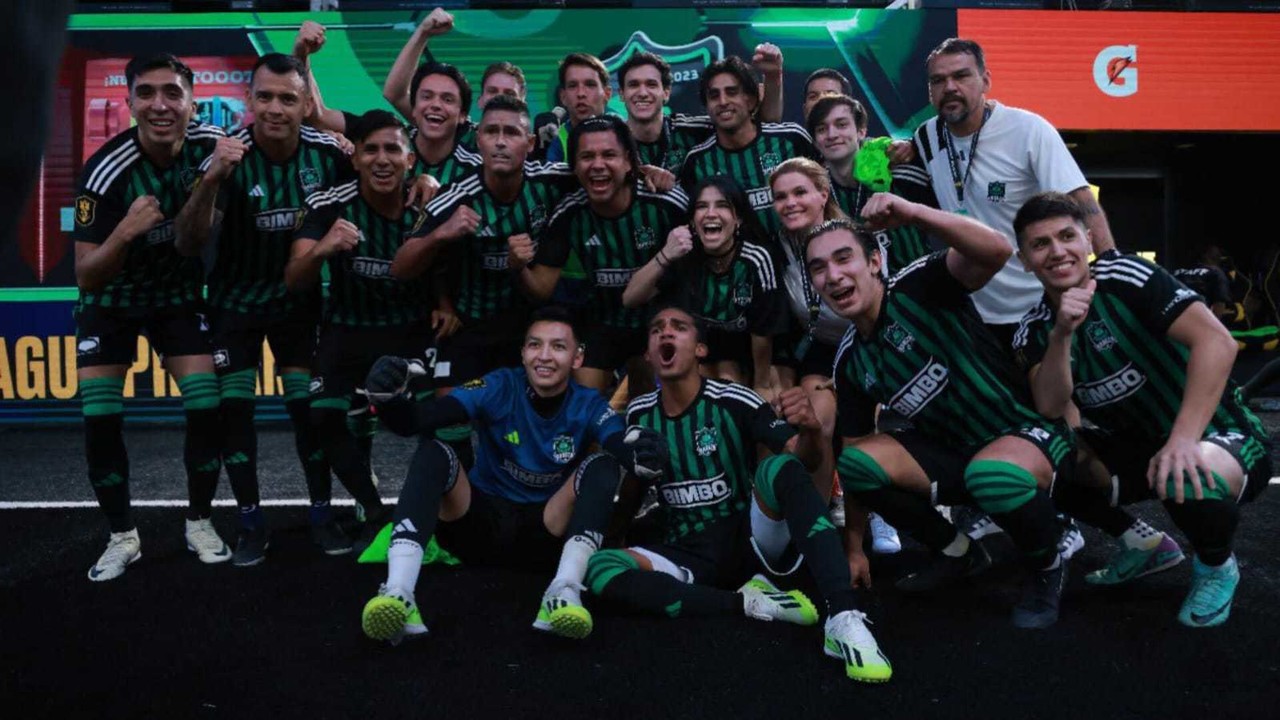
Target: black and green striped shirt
<point x="751" y="165"/>
<point x="153" y="274"/>
<point x="1129" y="374"/>
<point x="931" y="359"/>
<point x="680" y="134"/>
<point x="262" y="204"/>
<point x="744" y="300"/>
<point x="362" y="292"/>
<point x="612" y="249"/>
<point x="476" y="266"/>
<point x="713" y="446"/>
<point x="458" y="164"/>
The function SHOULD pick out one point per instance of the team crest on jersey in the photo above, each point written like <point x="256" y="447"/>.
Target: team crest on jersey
<point x="310" y="179"/>
<point x="742" y="294"/>
<point x="897" y="336"/>
<point x="673" y="160"/>
<point x="1100" y="335"/>
<point x="769" y="161"/>
<point x="562" y="448"/>
<point x="644" y="238"/>
<point x="706" y="441"/>
<point x="86" y="207"/>
<point x="995" y="191"/>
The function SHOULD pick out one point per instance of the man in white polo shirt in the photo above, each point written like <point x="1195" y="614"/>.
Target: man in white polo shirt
<point x="985" y="160"/>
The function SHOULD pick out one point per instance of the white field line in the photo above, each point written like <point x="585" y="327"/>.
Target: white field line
<point x="72" y="504"/>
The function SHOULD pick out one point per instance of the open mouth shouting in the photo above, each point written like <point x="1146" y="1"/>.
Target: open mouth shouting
<point x="666" y="354"/>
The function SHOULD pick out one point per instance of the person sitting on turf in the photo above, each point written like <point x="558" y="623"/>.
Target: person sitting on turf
<point x="537" y="487"/>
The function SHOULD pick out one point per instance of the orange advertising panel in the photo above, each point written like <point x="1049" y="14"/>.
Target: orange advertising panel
<point x="1134" y="71"/>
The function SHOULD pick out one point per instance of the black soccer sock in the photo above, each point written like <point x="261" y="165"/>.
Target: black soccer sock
<point x="1209" y="524"/>
<point x="811" y="530"/>
<point x="1093" y="506"/>
<point x="315" y="466"/>
<point x="201" y="451"/>
<point x="364" y="426"/>
<point x="239" y="438"/>
<point x="1034" y="529"/>
<point x="596" y="484"/>
<point x="864" y="480"/>
<point x="458" y="437"/>
<point x="433" y="471"/>
<point x="614" y="576"/>
<point x="108" y="461"/>
<point x="344" y="457"/>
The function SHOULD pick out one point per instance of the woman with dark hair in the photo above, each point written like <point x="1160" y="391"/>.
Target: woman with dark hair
<point x="720" y="270"/>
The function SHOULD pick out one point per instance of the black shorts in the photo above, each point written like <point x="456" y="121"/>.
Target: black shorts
<point x="1127" y="457"/>
<point x="345" y="354"/>
<point x="609" y="348"/>
<point x="720" y="555"/>
<point x="945" y="465"/>
<point x="478" y="348"/>
<point x="497" y="531"/>
<point x="237" y="339"/>
<point x="109" y="336"/>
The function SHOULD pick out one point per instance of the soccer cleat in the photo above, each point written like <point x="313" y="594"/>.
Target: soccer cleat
<point x="973" y="522"/>
<point x="204" y="541"/>
<point x="561" y="612"/>
<point x="330" y="538"/>
<point x="251" y="547"/>
<point x="123" y="549"/>
<point x="763" y="601"/>
<point x="1212" y="590"/>
<point x="1133" y="563"/>
<point x="1041" y="597"/>
<point x="848" y="639"/>
<point x="884" y="537"/>
<point x="392" y="616"/>
<point x="944" y="570"/>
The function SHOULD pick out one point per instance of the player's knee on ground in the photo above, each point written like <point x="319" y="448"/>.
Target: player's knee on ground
<point x="605" y="565"/>
<point x="999" y="487"/>
<point x="860" y="473"/>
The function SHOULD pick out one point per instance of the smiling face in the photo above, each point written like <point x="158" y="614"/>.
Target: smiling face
<point x="714" y="221"/>
<point x="382" y="159"/>
<point x="674" y="349"/>
<point x="549" y="355"/>
<point x="957" y="89"/>
<point x="583" y="93"/>
<point x="729" y="105"/>
<point x="279" y="103"/>
<point x="837" y="136"/>
<point x="848" y="281"/>
<point x="602" y="166"/>
<point x="161" y="104"/>
<point x="797" y="201"/>
<point x="1057" y="250"/>
<point x="437" y="108"/>
<point x="643" y="94"/>
<point x="504" y="141"/>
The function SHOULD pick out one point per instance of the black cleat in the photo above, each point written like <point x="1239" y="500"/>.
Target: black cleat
<point x="944" y="570"/>
<point x="330" y="538"/>
<point x="1041" y="597"/>
<point x="251" y="547"/>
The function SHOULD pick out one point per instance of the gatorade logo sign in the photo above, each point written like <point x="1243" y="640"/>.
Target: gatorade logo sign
<point x="1115" y="70"/>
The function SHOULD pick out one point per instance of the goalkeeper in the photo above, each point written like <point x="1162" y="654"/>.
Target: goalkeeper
<point x="538" y="487"/>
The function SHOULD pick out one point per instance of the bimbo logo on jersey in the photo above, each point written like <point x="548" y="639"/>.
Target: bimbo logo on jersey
<point x="1117" y="386"/>
<point x="925" y="386"/>
<point x="277" y="220"/>
<point x="494" y="261"/>
<point x="615" y="278"/>
<point x="761" y="198"/>
<point x="160" y="234"/>
<point x="696" y="493"/>
<point x="372" y="268"/>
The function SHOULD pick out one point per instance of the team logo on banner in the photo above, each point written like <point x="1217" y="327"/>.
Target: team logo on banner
<point x="687" y="61"/>
<point x="85" y="208"/>
<point x="1114" y="70"/>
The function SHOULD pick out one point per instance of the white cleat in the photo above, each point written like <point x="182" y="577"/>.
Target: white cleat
<point x="204" y="541"/>
<point x="123" y="549"/>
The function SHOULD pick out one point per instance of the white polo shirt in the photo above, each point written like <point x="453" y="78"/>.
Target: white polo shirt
<point x="1019" y="154"/>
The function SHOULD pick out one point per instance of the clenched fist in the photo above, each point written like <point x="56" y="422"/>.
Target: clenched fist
<point x="520" y="250"/>
<point x="342" y="237"/>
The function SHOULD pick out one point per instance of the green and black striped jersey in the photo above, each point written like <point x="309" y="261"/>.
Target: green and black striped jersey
<point x="612" y="249"/>
<point x="362" y="292"/>
<point x="931" y="359"/>
<point x="751" y="165"/>
<point x="902" y="245"/>
<point x="262" y="205"/>
<point x="153" y="274"/>
<point x="457" y="165"/>
<point x="713" y="446"/>
<point x="680" y="134"/>
<point x="1129" y="374"/>
<point x="476" y="266"/>
<point x="745" y="299"/>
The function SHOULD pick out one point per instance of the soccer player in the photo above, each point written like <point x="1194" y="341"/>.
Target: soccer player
<point x="717" y="499"/>
<point x="719" y="267"/>
<point x="255" y="189"/>
<point x="538" y="490"/>
<point x="918" y="347"/>
<point x="132" y="280"/>
<point x="1147" y="364"/>
<point x="584" y="91"/>
<point x="615" y="225"/>
<point x="743" y="149"/>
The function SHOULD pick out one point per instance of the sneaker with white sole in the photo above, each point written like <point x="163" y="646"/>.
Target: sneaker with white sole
<point x="562" y="613"/>
<point x="1133" y="563"/>
<point x="884" y="537"/>
<point x="847" y="638"/>
<point x="204" y="541"/>
<point x="1212" y="590"/>
<point x="762" y="600"/>
<point x="973" y="522"/>
<point x="392" y="616"/>
<point x="123" y="549"/>
<point x="1072" y="540"/>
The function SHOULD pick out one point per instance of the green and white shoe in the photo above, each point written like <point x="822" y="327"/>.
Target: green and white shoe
<point x="562" y="613"/>
<point x="1212" y="590"/>
<point x="762" y="600"/>
<point x="848" y="639"/>
<point x="392" y="615"/>
<point x="1132" y="563"/>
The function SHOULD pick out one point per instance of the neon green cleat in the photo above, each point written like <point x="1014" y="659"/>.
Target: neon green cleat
<point x="392" y="615"/>
<point x="848" y="639"/>
<point x="762" y="600"/>
<point x="562" y="613"/>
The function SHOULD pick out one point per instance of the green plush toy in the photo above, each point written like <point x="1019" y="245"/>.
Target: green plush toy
<point x="871" y="164"/>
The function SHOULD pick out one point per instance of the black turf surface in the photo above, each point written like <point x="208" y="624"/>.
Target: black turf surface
<point x="177" y="639"/>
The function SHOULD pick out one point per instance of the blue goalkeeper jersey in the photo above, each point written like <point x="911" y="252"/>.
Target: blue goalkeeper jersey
<point x="523" y="456"/>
